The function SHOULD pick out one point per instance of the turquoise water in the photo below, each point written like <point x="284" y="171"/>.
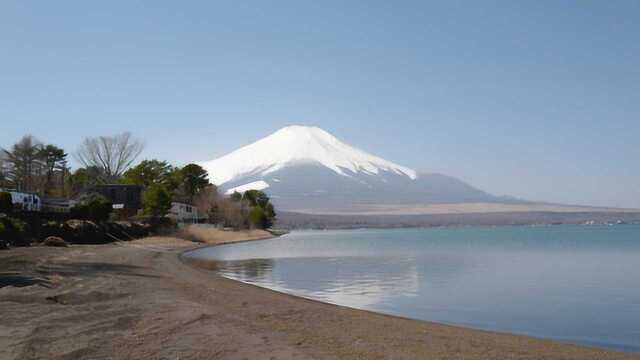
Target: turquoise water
<point x="578" y="284"/>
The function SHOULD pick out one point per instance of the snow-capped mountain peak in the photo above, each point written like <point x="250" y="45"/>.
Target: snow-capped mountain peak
<point x="295" y="145"/>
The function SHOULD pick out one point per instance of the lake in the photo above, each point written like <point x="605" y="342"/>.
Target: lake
<point x="578" y="284"/>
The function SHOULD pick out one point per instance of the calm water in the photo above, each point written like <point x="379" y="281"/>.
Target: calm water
<point x="576" y="284"/>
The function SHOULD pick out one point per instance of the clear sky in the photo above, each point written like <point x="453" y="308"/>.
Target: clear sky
<point x="537" y="99"/>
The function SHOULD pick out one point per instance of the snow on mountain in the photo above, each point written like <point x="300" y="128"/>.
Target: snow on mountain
<point x="295" y="145"/>
<point x="302" y="167"/>
<point x="255" y="185"/>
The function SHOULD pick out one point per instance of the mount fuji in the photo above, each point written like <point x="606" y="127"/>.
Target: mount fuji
<point x="305" y="168"/>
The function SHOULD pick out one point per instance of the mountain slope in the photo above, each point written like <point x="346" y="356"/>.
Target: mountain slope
<point x="307" y="168"/>
<point x="294" y="145"/>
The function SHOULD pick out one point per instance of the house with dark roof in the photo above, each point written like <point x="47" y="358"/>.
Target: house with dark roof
<point x="127" y="197"/>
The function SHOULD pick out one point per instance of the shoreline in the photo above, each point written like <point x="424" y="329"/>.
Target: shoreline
<point x="139" y="300"/>
<point x="209" y="267"/>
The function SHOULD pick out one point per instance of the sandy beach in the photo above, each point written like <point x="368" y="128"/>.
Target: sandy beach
<point x="138" y="300"/>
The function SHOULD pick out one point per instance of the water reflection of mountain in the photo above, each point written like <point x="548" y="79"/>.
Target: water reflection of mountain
<point x="354" y="281"/>
<point x="252" y="270"/>
<point x="564" y="282"/>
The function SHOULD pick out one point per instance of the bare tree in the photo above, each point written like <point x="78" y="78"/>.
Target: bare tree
<point x="113" y="154"/>
<point x="207" y="202"/>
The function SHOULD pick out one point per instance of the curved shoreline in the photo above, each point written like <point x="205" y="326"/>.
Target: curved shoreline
<point x="139" y="300"/>
<point x="200" y="264"/>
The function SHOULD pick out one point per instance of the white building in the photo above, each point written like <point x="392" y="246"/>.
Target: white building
<point x="24" y="201"/>
<point x="182" y="212"/>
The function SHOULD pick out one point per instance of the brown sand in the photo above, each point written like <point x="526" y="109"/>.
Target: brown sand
<point x="137" y="300"/>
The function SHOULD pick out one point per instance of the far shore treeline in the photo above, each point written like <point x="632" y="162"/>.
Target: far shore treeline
<point x="36" y="167"/>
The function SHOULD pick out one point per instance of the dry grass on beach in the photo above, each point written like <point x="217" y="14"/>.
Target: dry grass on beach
<point x="211" y="235"/>
<point x="193" y="235"/>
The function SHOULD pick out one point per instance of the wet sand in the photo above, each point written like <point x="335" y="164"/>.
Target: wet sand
<point x="138" y="300"/>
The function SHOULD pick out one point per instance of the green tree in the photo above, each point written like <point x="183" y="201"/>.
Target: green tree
<point x="54" y="160"/>
<point x="150" y="172"/>
<point x="6" y="204"/>
<point x="83" y="179"/>
<point x="193" y="178"/>
<point x="260" y="217"/>
<point x="261" y="214"/>
<point x="257" y="217"/>
<point x="156" y="201"/>
<point x="270" y="213"/>
<point x="256" y="198"/>
<point x="64" y="172"/>
<point x="236" y="196"/>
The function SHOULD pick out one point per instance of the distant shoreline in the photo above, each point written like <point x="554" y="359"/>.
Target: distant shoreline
<point x="462" y="208"/>
<point x="292" y="220"/>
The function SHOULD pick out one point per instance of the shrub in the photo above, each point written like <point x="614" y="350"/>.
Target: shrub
<point x="50" y="228"/>
<point x="129" y="229"/>
<point x="14" y="231"/>
<point x="163" y="226"/>
<point x="6" y="204"/>
<point x="157" y="201"/>
<point x="92" y="207"/>
<point x="121" y="214"/>
<point x="83" y="232"/>
<point x="54" y="241"/>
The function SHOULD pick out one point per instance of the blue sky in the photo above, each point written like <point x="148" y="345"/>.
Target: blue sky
<point x="537" y="99"/>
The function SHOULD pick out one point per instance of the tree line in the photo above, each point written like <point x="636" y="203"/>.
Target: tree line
<point x="31" y="165"/>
